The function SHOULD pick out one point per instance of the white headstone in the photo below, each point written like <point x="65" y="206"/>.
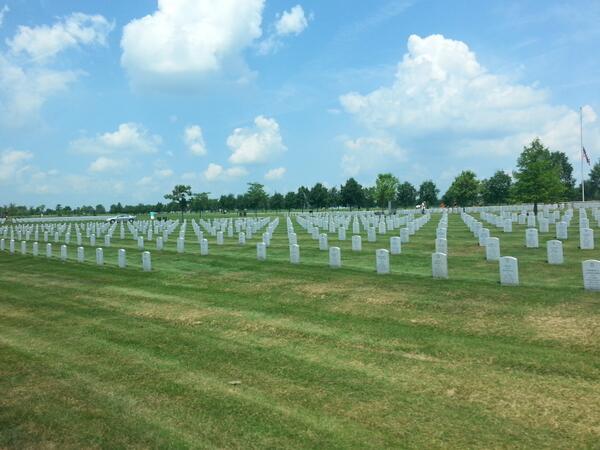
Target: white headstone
<point x="544" y="225"/>
<point x="371" y="235"/>
<point x="11" y="246"/>
<point x="356" y="243"/>
<point x="93" y="240"/>
<point x="441" y="233"/>
<point x="509" y="271"/>
<point x="508" y="226"/>
<point x="80" y="254"/>
<point x="562" y="230"/>
<point x="441" y="245"/>
<point x="122" y="258"/>
<point x="2" y="245"/>
<point x="586" y="239"/>
<point x="48" y="250"/>
<point x="261" y="251"/>
<point x="180" y="245"/>
<point x="531" y="238"/>
<point x="107" y="240"/>
<point x="146" y="262"/>
<point x="382" y="261"/>
<point x="323" y="244"/>
<point x="591" y="275"/>
<point x="404" y="235"/>
<point x="242" y="238"/>
<point x="555" y="252"/>
<point x="140" y="243"/>
<point x="484" y="234"/>
<point x="159" y="243"/>
<point x="335" y="257"/>
<point x="99" y="257"/>
<point x="439" y="265"/>
<point x="341" y="233"/>
<point x="63" y="252"/>
<point x="220" y="238"/>
<point x="492" y="249"/>
<point x="395" y="245"/>
<point x="293" y="238"/>
<point x="35" y="250"/>
<point x="204" y="247"/>
<point x="295" y="254"/>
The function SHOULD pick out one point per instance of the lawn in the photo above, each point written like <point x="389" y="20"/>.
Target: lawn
<point x="223" y="351"/>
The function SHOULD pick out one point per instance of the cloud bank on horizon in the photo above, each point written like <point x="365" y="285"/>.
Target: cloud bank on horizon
<point x="108" y="104"/>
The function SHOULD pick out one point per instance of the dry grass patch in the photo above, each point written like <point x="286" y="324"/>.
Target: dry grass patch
<point x="568" y="324"/>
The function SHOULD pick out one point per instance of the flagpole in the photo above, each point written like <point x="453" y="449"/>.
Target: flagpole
<point x="581" y="153"/>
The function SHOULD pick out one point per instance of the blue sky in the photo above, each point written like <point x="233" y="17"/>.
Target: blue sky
<point x="106" y="101"/>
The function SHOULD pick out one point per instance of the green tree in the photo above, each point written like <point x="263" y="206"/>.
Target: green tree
<point x="464" y="190"/>
<point x="227" y="202"/>
<point x="592" y="185"/>
<point x="318" y="196"/>
<point x="496" y="189"/>
<point x="352" y="194"/>
<point x="303" y="195"/>
<point x="566" y="174"/>
<point x="256" y="197"/>
<point x="100" y="209"/>
<point x="428" y="193"/>
<point x="334" y="198"/>
<point x="277" y="201"/>
<point x="386" y="186"/>
<point x="407" y="195"/>
<point x="200" y="202"/>
<point x="369" y="197"/>
<point x="180" y="196"/>
<point x="291" y="201"/>
<point x="538" y="176"/>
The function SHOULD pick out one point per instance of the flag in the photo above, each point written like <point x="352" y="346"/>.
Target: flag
<point x="585" y="155"/>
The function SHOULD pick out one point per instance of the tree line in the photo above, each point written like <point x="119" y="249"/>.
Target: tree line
<point x="541" y="176"/>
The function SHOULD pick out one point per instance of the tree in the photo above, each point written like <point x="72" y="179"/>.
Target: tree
<point x="538" y="176"/>
<point x="369" y="197"/>
<point x="386" y="186"/>
<point x="100" y="209"/>
<point x="277" y="202"/>
<point x="333" y="197"/>
<point x="566" y="173"/>
<point x="227" y="202"/>
<point x="496" y="189"/>
<point x="256" y="197"/>
<point x="428" y="193"/>
<point x="180" y="195"/>
<point x="406" y="195"/>
<point x="464" y="190"/>
<point x="200" y="202"/>
<point x="592" y="185"/>
<point x="303" y="197"/>
<point x="352" y="194"/>
<point x="318" y="196"/>
<point x="291" y="201"/>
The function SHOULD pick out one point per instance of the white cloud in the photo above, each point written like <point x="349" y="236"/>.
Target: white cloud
<point x="163" y="173"/>
<point x="275" y="174"/>
<point x="441" y="89"/>
<point x="292" y="22"/>
<point x="215" y="172"/>
<point x="103" y="164"/>
<point x="368" y="154"/>
<point x="129" y="137"/>
<point x="3" y="12"/>
<point x="189" y="39"/>
<point x="12" y="162"/>
<point x="23" y="91"/>
<point x="258" y="144"/>
<point x="43" y="42"/>
<point x="194" y="140"/>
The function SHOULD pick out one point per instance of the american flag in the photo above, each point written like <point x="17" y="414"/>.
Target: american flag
<point x="585" y="155"/>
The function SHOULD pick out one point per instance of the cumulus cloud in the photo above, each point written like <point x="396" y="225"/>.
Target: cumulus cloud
<point x="275" y="174"/>
<point x="188" y="39"/>
<point x="367" y="154"/>
<point x="43" y="42"/>
<point x="26" y="85"/>
<point x="194" y="140"/>
<point x="103" y="164"/>
<point x="3" y="12"/>
<point x="441" y="89"/>
<point x="216" y="172"/>
<point x="258" y="144"/>
<point x="12" y="162"/>
<point x="292" y="22"/>
<point x="128" y="138"/>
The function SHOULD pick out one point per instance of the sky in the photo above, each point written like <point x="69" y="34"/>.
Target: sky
<point x="105" y="101"/>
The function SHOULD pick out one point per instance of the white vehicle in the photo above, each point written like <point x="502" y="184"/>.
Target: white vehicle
<point x="121" y="218"/>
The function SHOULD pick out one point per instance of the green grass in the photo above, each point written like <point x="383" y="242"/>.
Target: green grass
<point x="101" y="357"/>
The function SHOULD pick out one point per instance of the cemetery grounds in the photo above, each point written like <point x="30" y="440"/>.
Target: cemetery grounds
<point x="226" y="351"/>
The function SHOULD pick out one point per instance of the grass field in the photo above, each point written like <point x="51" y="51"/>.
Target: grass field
<point x="224" y="351"/>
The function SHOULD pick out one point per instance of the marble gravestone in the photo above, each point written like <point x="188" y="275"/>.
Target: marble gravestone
<point x="509" y="271"/>
<point x="439" y="265"/>
<point x="591" y="275"/>
<point x="382" y="261"/>
<point x="554" y="251"/>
